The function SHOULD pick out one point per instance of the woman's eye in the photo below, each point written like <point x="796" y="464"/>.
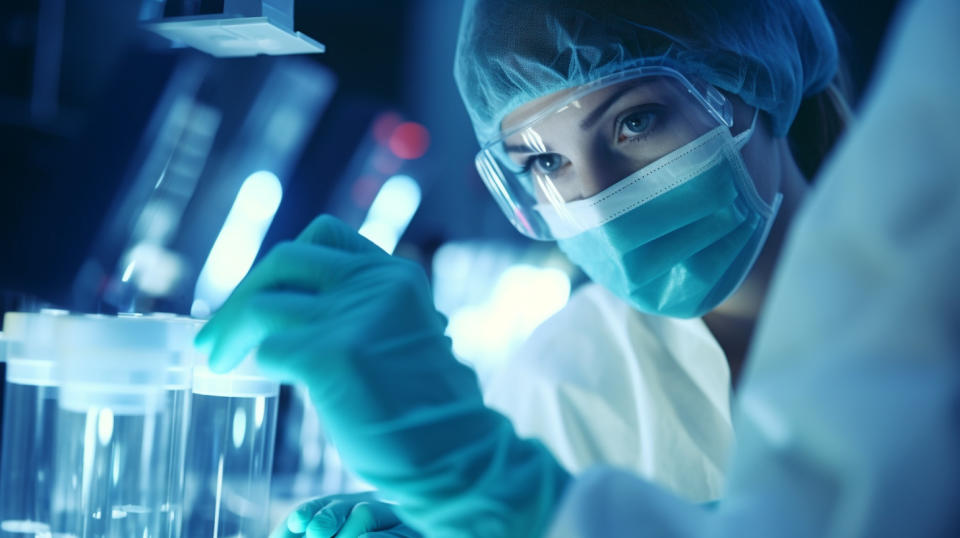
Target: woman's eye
<point x="637" y="124"/>
<point x="546" y="163"/>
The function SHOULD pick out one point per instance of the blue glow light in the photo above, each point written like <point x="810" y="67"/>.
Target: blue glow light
<point x="128" y="272"/>
<point x="238" y="242"/>
<point x="391" y="211"/>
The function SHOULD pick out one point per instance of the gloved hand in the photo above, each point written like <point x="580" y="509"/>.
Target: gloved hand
<point x="344" y="516"/>
<point x="358" y="328"/>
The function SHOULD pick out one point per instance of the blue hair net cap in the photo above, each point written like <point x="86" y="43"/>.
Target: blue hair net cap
<point x="771" y="53"/>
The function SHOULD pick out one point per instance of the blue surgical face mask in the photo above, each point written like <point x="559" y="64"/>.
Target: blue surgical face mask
<point x="688" y="234"/>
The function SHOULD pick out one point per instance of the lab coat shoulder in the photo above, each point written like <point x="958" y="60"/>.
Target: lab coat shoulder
<point x="600" y="382"/>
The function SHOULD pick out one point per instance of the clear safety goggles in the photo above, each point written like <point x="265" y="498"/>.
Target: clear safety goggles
<point x="561" y="154"/>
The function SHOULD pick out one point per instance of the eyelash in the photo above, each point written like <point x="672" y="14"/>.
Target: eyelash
<point x="531" y="160"/>
<point x="655" y="111"/>
<point x="635" y="138"/>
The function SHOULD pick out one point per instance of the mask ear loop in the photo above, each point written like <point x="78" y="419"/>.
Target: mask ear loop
<point x="766" y="209"/>
<point x="741" y="139"/>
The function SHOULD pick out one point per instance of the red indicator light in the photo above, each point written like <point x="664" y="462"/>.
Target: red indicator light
<point x="409" y="140"/>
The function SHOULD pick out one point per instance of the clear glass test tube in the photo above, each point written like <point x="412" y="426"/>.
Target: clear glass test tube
<point x="124" y="395"/>
<point x="29" y="418"/>
<point x="230" y="454"/>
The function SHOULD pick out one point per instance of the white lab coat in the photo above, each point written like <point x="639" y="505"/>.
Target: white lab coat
<point x="848" y="420"/>
<point x="600" y="382"/>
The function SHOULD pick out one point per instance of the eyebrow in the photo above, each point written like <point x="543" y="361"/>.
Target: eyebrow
<point x="598" y="112"/>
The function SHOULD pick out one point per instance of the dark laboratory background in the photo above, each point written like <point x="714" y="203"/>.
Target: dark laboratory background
<point x="123" y="156"/>
<point x="85" y="91"/>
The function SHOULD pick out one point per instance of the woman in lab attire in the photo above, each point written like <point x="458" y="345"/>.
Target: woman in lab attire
<point x="629" y="373"/>
<point x="636" y="370"/>
<point x="649" y="139"/>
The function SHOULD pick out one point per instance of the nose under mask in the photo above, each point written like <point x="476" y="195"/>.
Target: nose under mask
<point x="677" y="237"/>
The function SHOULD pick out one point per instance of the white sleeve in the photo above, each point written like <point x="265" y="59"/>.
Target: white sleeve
<point x="605" y="502"/>
<point x="847" y="424"/>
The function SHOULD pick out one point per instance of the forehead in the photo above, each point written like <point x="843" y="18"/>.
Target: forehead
<point x="579" y="101"/>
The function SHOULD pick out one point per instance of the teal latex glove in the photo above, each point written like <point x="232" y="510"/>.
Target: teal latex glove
<point x="344" y="516"/>
<point x="358" y="328"/>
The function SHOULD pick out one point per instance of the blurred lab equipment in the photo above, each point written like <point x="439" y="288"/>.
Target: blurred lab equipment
<point x="110" y="421"/>
<point x="229" y="27"/>
<point x="199" y="137"/>
<point x="379" y="192"/>
<point x="161" y="207"/>
<point x="213" y="148"/>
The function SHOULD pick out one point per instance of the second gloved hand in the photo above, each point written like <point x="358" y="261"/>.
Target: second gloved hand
<point x="358" y="327"/>
<point x="344" y="516"/>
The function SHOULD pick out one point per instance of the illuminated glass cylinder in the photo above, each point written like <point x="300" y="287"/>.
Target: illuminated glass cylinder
<point x="120" y="425"/>
<point x="29" y="413"/>
<point x="230" y="453"/>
